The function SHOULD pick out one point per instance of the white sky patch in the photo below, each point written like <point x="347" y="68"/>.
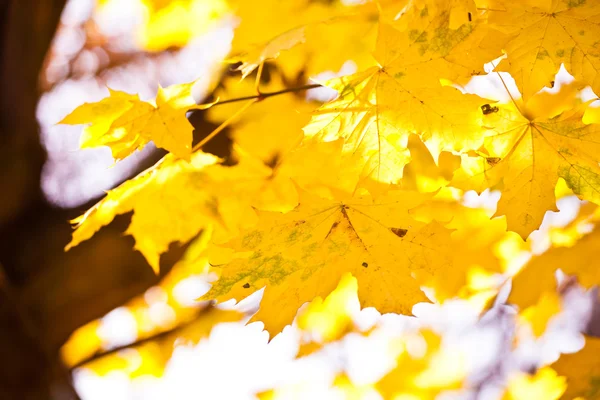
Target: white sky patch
<point x="188" y="290"/>
<point x="118" y="328"/>
<point x="324" y="93"/>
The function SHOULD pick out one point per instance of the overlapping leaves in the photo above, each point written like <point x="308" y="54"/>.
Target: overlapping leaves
<point x="370" y="182"/>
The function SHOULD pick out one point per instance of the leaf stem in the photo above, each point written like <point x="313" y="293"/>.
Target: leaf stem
<point x="225" y="123"/>
<point x="509" y="93"/>
<point x="258" y="76"/>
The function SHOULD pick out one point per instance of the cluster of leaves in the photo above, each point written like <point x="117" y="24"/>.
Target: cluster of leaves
<point x="365" y="191"/>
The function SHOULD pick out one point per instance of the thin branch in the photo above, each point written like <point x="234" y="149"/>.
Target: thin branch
<point x="251" y="100"/>
<point x="158" y="336"/>
<point x="262" y="96"/>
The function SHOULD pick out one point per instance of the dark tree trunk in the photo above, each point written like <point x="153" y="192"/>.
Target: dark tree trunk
<point x="45" y="293"/>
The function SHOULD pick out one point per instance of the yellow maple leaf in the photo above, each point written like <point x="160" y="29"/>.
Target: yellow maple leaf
<point x="378" y="108"/>
<point x="581" y="370"/>
<point x="545" y="384"/>
<point x="303" y="254"/>
<point x="529" y="146"/>
<point x="125" y="123"/>
<point x="546" y="34"/>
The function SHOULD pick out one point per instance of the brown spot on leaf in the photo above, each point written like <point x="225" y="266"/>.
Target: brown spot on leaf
<point x="470" y="17"/>
<point x="399" y="232"/>
<point x="246" y="285"/>
<point x="492" y="160"/>
<point x="364" y="264"/>
<point x="273" y="161"/>
<point x="487" y="109"/>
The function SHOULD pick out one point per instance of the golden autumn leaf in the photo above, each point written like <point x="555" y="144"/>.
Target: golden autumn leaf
<point x="545" y="34"/>
<point x="304" y="253"/>
<point x="582" y="371"/>
<point x="378" y="108"/>
<point x="528" y="148"/>
<point x="125" y="123"/>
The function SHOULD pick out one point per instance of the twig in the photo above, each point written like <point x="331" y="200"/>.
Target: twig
<point x="251" y="100"/>
<point x="262" y="96"/>
<point x="158" y="336"/>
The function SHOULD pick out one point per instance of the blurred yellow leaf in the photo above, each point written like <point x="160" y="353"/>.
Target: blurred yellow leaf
<point x="581" y="370"/>
<point x="330" y="319"/>
<point x="173" y="23"/>
<point x="538" y="315"/>
<point x="150" y="355"/>
<point x="423" y="370"/>
<point x="545" y="384"/>
<point x="538" y="275"/>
